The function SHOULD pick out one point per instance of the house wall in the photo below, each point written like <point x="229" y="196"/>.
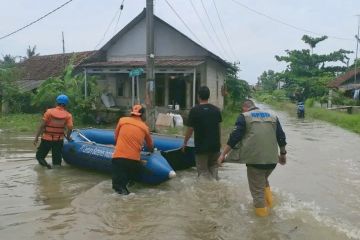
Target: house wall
<point x="215" y="78"/>
<point x="167" y="42"/>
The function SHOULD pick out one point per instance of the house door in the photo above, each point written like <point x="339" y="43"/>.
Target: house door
<point x="177" y="91"/>
<point x="160" y="90"/>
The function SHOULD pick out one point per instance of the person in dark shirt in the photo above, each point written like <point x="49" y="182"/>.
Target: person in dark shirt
<point x="255" y="141"/>
<point x="204" y="120"/>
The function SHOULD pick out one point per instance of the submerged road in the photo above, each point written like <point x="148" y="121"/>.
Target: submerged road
<point x="317" y="196"/>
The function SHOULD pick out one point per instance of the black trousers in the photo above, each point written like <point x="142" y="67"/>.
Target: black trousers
<point x="124" y="170"/>
<point x="44" y="148"/>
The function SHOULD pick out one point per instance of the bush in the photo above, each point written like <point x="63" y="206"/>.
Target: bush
<point x="310" y="102"/>
<point x="73" y="87"/>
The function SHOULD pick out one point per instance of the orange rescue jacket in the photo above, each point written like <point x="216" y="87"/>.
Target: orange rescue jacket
<point x="56" y="119"/>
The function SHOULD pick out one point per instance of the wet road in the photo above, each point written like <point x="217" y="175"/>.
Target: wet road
<point x="317" y="196"/>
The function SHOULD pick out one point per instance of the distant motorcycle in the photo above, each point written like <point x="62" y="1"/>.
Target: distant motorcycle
<point x="300" y="110"/>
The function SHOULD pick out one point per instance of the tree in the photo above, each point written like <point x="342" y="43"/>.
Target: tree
<point x="8" y="60"/>
<point x="312" y="41"/>
<point x="307" y="74"/>
<point x="268" y="80"/>
<point x="238" y="89"/>
<point x="30" y="52"/>
<point x="73" y="87"/>
<point x="9" y="91"/>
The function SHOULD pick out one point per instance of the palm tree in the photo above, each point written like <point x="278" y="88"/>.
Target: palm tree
<point x="30" y="52"/>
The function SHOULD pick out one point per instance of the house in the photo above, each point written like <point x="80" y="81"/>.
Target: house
<point x="37" y="69"/>
<point x="347" y="82"/>
<point x="181" y="66"/>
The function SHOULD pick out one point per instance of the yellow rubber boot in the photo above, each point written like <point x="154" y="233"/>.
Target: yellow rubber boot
<point x="268" y="197"/>
<point x="262" y="212"/>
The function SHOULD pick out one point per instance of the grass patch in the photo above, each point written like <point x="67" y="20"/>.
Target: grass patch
<point x="341" y="119"/>
<point x="23" y="122"/>
<point x="229" y="117"/>
<point x="20" y="122"/>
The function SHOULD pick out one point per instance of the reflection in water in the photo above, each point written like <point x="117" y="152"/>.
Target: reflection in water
<point x="317" y="196"/>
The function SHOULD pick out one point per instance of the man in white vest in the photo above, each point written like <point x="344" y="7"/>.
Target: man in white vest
<point x="255" y="141"/>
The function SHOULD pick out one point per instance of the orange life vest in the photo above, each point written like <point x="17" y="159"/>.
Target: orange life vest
<point x="56" y="119"/>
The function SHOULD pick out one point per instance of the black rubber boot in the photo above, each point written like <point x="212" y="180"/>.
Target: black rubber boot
<point x="123" y="191"/>
<point x="44" y="163"/>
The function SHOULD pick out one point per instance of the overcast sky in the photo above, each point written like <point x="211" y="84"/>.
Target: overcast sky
<point x="257" y="29"/>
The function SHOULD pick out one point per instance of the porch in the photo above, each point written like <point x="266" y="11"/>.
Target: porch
<point x="176" y="82"/>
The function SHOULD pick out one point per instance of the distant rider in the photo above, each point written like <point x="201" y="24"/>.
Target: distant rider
<point x="300" y="110"/>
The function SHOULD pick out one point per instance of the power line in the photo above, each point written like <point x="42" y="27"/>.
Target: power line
<point x="287" y="24"/>
<point x="203" y="25"/>
<point x="212" y="26"/>
<point x="117" y="22"/>
<point x="223" y="29"/>
<point x="37" y="20"/>
<point x="108" y="27"/>
<point x="187" y="27"/>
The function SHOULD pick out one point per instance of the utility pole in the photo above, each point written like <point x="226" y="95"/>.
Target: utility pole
<point x="63" y="42"/>
<point x="150" y="59"/>
<point x="63" y="47"/>
<point x="357" y="47"/>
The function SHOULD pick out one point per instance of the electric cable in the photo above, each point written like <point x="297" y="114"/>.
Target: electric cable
<point x="213" y="28"/>
<point x="187" y="27"/>
<point x="223" y="29"/>
<point x="117" y="22"/>
<point x="204" y="26"/>
<point x="37" y="20"/>
<point x="287" y="24"/>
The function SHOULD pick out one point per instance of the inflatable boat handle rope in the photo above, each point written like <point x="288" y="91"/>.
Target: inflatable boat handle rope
<point x="82" y="136"/>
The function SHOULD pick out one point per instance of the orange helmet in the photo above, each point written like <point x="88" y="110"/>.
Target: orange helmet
<point x="137" y="110"/>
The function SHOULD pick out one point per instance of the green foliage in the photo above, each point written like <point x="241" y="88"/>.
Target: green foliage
<point x="310" y="102"/>
<point x="229" y="116"/>
<point x="73" y="87"/>
<point x="237" y="89"/>
<point x="269" y="80"/>
<point x="273" y="97"/>
<point x="8" y="61"/>
<point x="338" y="98"/>
<point x="31" y="51"/>
<point x="313" y="41"/>
<point x="307" y="74"/>
<point x="9" y="91"/>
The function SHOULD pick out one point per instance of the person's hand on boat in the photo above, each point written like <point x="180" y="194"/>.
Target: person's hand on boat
<point x="69" y="139"/>
<point x="151" y="149"/>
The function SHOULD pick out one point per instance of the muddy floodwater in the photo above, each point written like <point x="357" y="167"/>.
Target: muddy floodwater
<point x="317" y="196"/>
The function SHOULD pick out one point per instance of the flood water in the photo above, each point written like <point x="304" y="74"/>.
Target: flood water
<point x="317" y="196"/>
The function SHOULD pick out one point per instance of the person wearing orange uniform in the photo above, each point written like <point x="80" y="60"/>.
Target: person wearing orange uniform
<point x="52" y="130"/>
<point x="130" y="134"/>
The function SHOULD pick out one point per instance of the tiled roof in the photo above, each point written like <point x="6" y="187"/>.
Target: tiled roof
<point x="158" y="63"/>
<point x="337" y="82"/>
<point x="28" y="85"/>
<point x="43" y="67"/>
